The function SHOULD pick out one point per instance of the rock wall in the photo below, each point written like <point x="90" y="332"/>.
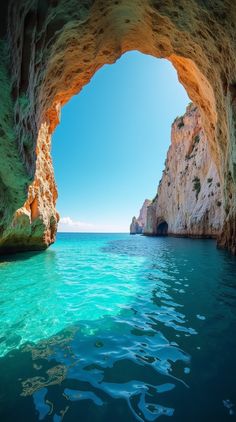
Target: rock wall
<point x="137" y="225"/>
<point x="50" y="49"/>
<point x="189" y="197"/>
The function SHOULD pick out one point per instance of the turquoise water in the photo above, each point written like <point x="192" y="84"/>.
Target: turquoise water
<point x="112" y="327"/>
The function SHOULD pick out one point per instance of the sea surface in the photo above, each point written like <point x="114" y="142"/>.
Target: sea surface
<point x="118" y="328"/>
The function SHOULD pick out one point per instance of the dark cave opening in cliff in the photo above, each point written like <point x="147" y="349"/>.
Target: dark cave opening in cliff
<point x="110" y="147"/>
<point x="162" y="229"/>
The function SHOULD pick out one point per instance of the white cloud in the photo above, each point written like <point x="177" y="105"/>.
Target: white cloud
<point x="67" y="224"/>
<point x="72" y="225"/>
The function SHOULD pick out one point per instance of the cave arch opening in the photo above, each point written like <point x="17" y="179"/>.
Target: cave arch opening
<point x="162" y="228"/>
<point x="59" y="67"/>
<point x="119" y="124"/>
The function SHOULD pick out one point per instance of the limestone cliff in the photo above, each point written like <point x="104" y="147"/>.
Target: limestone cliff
<point x="50" y="49"/>
<point x="189" y="197"/>
<point x="137" y="225"/>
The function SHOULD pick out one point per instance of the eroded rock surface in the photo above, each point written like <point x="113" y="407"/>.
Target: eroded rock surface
<point x="189" y="197"/>
<point x="137" y="225"/>
<point x="50" y="49"/>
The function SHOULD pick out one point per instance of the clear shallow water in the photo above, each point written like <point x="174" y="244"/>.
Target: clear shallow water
<point x="111" y="328"/>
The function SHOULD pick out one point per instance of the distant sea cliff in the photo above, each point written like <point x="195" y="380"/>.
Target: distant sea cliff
<point x="189" y="196"/>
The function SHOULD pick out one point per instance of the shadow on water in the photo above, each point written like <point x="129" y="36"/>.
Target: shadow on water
<point x="19" y="256"/>
<point x="168" y="352"/>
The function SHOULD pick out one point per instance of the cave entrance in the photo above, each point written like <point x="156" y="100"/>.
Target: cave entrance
<point x="66" y="49"/>
<point x="162" y="229"/>
<point x="122" y="115"/>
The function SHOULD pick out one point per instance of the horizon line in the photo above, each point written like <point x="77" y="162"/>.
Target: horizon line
<point x="92" y="232"/>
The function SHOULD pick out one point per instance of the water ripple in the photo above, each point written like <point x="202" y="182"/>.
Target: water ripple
<point x="118" y="328"/>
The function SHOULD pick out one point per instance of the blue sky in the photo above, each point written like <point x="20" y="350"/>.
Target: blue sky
<point x="110" y="147"/>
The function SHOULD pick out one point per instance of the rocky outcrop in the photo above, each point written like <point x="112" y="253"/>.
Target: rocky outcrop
<point x="50" y="49"/>
<point x="189" y="197"/>
<point x="135" y="228"/>
<point x="137" y="225"/>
